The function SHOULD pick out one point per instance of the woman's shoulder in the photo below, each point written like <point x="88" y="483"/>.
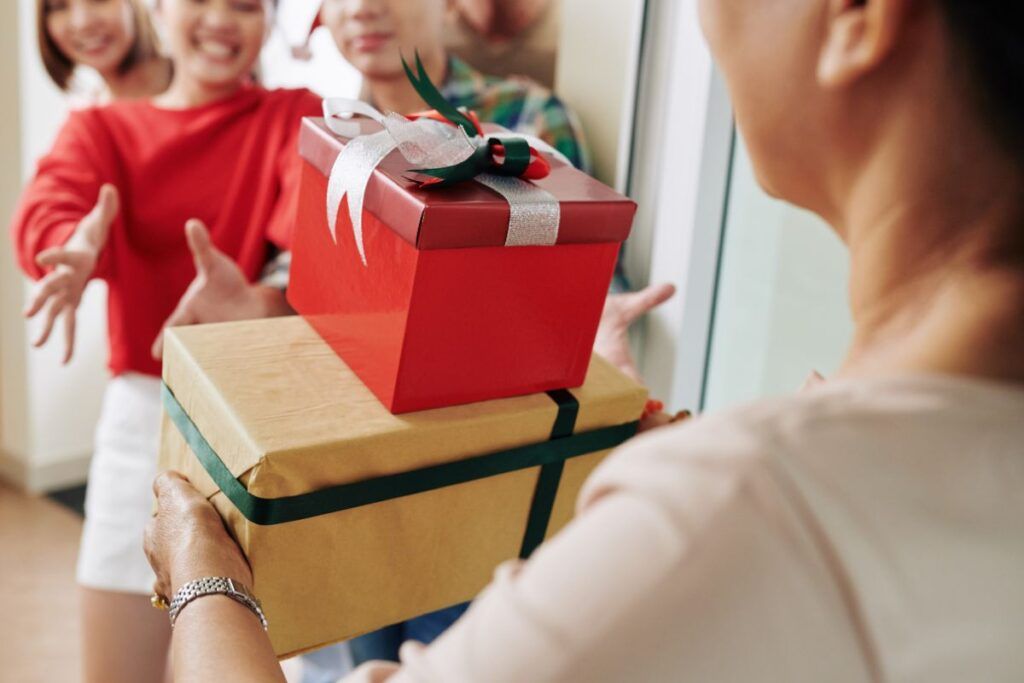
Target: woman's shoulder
<point x="719" y="452"/>
<point x="727" y="450"/>
<point x="859" y="428"/>
<point x="91" y="127"/>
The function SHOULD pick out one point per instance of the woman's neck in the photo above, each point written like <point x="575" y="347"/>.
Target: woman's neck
<point x="396" y="93"/>
<point x="933" y="287"/>
<point x="187" y="93"/>
<point x="145" y="79"/>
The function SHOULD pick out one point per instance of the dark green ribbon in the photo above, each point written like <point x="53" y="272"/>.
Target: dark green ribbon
<point x="266" y="511"/>
<point x="517" y="150"/>
<point x="434" y="99"/>
<point x="550" y="475"/>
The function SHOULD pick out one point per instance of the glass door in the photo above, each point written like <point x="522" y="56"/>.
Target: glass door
<point x="780" y="301"/>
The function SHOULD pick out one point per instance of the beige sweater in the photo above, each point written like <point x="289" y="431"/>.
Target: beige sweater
<point x="862" y="531"/>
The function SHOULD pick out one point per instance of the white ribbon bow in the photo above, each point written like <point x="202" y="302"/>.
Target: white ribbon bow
<point x="426" y="143"/>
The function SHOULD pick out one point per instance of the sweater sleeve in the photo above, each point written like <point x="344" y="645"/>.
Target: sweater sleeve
<point x="64" y="189"/>
<point x="684" y="563"/>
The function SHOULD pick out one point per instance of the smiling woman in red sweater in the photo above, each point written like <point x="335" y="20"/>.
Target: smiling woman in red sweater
<point x="112" y="200"/>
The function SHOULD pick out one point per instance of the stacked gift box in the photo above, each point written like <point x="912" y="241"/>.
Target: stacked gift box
<point x="435" y="409"/>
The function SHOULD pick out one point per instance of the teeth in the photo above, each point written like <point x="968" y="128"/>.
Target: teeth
<point x="92" y="44"/>
<point x="215" y="49"/>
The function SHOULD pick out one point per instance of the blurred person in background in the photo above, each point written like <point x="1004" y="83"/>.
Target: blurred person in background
<point x="507" y="37"/>
<point x="868" y="528"/>
<point x="373" y="35"/>
<point x="114" y="38"/>
<point x="126" y="195"/>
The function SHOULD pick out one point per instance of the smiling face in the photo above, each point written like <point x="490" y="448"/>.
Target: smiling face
<point x="94" y="33"/>
<point x="373" y="34"/>
<point x="215" y="43"/>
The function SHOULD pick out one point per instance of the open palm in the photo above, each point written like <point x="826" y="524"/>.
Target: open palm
<point x="72" y="264"/>
<point x="620" y="312"/>
<point x="220" y="291"/>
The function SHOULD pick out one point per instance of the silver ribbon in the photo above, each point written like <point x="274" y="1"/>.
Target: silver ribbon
<point x="534" y="213"/>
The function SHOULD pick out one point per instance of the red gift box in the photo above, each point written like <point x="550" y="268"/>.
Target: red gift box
<point x="442" y="312"/>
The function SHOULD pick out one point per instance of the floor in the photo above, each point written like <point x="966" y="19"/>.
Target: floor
<point x="38" y="600"/>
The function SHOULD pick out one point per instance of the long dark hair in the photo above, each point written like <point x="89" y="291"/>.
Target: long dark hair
<point x="989" y="35"/>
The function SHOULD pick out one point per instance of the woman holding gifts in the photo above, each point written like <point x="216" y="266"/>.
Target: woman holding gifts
<point x="114" y="38"/>
<point x="215" y="155"/>
<point x="870" y="528"/>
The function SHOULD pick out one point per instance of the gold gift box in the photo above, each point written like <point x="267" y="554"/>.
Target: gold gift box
<point x="361" y="518"/>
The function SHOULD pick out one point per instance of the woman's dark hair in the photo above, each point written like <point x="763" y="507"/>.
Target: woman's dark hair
<point x="60" y="67"/>
<point x="990" y="37"/>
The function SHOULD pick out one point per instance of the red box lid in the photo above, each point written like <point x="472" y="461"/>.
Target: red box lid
<point x="470" y="214"/>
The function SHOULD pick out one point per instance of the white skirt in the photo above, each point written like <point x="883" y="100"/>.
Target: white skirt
<point x="119" y="497"/>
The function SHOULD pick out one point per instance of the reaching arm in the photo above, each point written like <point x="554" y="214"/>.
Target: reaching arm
<point x="220" y="291"/>
<point x="62" y="224"/>
<point x="62" y="193"/>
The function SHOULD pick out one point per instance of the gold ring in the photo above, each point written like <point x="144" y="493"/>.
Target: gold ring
<point x="159" y="602"/>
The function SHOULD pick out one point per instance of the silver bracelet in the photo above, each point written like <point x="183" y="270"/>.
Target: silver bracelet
<point x="215" y="585"/>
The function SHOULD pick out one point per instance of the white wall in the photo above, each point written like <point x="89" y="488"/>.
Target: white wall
<point x="598" y="60"/>
<point x="13" y="420"/>
<point x="49" y="411"/>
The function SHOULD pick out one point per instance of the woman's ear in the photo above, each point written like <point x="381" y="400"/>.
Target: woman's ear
<point x="860" y="35"/>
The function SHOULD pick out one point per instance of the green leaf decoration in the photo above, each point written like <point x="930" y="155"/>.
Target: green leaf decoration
<point x="426" y="89"/>
<point x="517" y="150"/>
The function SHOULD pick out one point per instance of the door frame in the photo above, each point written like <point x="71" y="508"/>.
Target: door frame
<point x="679" y="175"/>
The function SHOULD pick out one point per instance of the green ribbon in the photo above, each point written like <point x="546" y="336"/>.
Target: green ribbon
<point x="267" y="511"/>
<point x="434" y="99"/>
<point x="517" y="150"/>
<point x="550" y="475"/>
<point x="517" y="156"/>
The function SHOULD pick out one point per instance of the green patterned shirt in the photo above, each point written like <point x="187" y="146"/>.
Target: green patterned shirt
<point x="519" y="104"/>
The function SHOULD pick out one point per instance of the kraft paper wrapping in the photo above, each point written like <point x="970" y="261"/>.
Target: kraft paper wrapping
<point x="287" y="416"/>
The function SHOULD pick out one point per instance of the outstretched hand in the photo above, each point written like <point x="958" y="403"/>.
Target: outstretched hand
<point x="620" y="312"/>
<point x="72" y="264"/>
<point x="220" y="291"/>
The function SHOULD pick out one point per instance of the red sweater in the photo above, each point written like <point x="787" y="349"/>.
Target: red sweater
<point x="233" y="164"/>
